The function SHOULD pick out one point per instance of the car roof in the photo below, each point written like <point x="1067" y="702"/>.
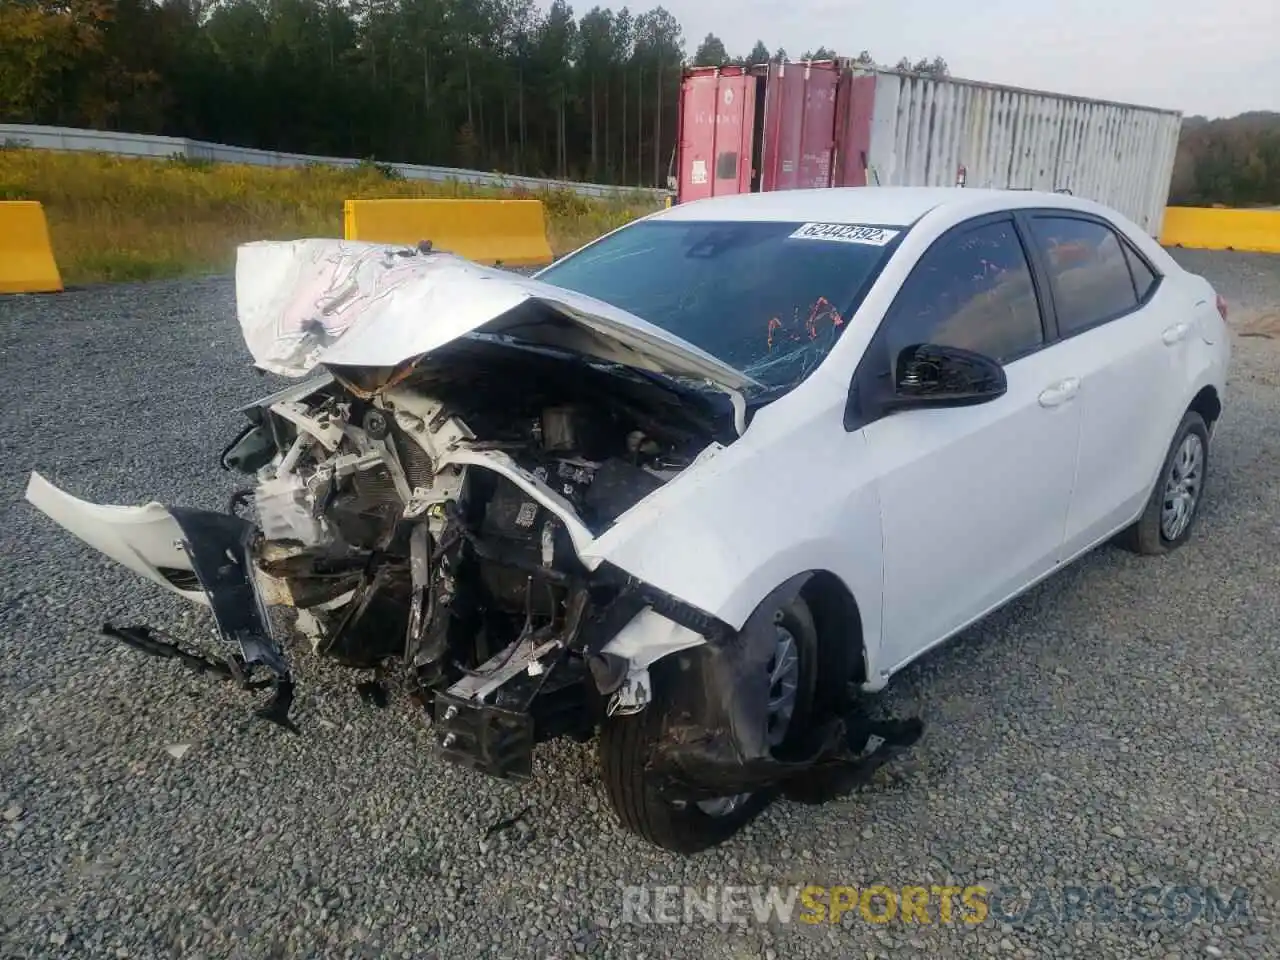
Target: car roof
<point x="888" y="206"/>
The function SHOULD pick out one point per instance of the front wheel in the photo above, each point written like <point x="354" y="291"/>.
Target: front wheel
<point x="627" y="742"/>
<point x="1171" y="512"/>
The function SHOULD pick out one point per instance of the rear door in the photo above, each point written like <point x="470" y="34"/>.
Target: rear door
<point x="973" y="499"/>
<point x="1120" y="331"/>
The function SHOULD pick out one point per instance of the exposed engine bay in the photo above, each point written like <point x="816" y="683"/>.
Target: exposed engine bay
<point x="393" y="518"/>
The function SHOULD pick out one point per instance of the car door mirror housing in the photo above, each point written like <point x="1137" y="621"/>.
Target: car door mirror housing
<point x="931" y="375"/>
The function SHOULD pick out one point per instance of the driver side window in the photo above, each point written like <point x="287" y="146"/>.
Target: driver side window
<point x="973" y="290"/>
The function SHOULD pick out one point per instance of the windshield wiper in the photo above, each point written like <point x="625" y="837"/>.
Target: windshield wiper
<point x="664" y="380"/>
<point x="679" y="384"/>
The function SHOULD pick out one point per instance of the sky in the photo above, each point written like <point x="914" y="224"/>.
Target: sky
<point x="1210" y="57"/>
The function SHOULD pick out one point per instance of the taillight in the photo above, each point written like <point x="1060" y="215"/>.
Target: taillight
<point x="1222" y="307"/>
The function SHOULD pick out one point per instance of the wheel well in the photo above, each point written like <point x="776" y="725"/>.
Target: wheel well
<point x="1207" y="404"/>
<point x="836" y="617"/>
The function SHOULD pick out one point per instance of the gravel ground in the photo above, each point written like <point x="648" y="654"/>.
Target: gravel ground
<point x="1116" y="726"/>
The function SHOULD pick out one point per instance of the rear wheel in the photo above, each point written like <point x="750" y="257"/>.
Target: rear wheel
<point x="627" y="742"/>
<point x="1170" y="514"/>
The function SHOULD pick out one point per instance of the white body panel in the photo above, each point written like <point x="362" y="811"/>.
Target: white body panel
<point x="798" y="493"/>
<point x="144" y="539"/>
<point x="1128" y="379"/>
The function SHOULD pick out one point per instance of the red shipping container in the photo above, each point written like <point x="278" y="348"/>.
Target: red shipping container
<point x="799" y="124"/>
<point x="717" y="127"/>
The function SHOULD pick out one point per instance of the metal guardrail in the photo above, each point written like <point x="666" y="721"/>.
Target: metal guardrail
<point x="147" y="145"/>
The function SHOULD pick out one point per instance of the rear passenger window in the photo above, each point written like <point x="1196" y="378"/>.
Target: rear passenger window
<point x="971" y="290"/>
<point x="1144" y="278"/>
<point x="1089" y="270"/>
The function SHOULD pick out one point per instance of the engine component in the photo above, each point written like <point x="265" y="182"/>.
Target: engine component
<point x="375" y="485"/>
<point x="521" y="538"/>
<point x="417" y="465"/>
<point x="571" y="428"/>
<point x="383" y="556"/>
<point x="284" y="512"/>
<point x="373" y="626"/>
<point x="615" y="486"/>
<point x="250" y="451"/>
<point x="511" y="514"/>
<point x="375" y="424"/>
<point x="561" y="428"/>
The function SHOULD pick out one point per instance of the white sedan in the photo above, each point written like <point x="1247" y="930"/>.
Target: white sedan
<point x="701" y="485"/>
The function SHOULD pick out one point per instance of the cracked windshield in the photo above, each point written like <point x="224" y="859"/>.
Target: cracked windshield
<point x="769" y="299"/>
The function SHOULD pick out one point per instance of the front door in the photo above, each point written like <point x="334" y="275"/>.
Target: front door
<point x="973" y="499"/>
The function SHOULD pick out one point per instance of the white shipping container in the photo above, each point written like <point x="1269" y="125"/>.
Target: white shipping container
<point x="923" y="130"/>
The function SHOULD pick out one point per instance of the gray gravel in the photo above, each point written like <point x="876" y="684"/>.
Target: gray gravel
<point x="1118" y="725"/>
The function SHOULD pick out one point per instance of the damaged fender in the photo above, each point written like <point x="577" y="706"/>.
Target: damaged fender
<point x="714" y="737"/>
<point x="647" y="638"/>
<point x="724" y="533"/>
<point x="218" y="545"/>
<point x="735" y="688"/>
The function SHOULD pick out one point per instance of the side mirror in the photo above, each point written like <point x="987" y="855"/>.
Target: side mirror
<point x="930" y="375"/>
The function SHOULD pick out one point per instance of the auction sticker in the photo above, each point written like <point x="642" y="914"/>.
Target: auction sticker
<point x="845" y="233"/>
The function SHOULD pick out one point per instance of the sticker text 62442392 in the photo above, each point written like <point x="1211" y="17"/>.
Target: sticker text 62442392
<point x="845" y="233"/>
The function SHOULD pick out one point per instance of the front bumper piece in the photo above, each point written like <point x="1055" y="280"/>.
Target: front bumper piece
<point x="203" y="557"/>
<point x="219" y="549"/>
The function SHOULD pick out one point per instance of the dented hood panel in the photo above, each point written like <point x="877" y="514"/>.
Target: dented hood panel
<point x="306" y="303"/>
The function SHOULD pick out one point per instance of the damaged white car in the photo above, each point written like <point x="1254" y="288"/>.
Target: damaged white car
<point x="700" y="485"/>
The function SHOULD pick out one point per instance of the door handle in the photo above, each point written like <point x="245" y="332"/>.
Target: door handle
<point x="1175" y="333"/>
<point x="1060" y="392"/>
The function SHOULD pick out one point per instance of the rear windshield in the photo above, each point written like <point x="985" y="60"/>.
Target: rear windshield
<point x="769" y="299"/>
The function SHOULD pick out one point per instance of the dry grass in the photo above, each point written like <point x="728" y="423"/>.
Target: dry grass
<point x="125" y="219"/>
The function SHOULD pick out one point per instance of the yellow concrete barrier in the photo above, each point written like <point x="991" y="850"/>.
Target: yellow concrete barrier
<point x="511" y="232"/>
<point x="1213" y="228"/>
<point x="26" y="256"/>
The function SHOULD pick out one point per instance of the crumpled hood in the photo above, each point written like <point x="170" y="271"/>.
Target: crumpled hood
<point x="306" y="303"/>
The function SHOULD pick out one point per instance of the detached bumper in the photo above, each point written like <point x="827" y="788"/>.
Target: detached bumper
<point x="146" y="539"/>
<point x="218" y="546"/>
<point x="200" y="555"/>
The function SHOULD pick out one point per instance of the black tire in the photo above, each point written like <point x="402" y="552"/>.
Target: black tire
<point x="1147" y="536"/>
<point x="627" y="742"/>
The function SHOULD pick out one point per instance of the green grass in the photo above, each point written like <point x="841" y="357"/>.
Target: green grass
<point x="113" y="218"/>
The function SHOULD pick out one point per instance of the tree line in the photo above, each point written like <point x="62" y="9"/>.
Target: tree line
<point x="1235" y="162"/>
<point x="488" y="84"/>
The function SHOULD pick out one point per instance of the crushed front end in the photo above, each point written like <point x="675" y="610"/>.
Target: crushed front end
<point x="432" y="519"/>
<point x="426" y="524"/>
